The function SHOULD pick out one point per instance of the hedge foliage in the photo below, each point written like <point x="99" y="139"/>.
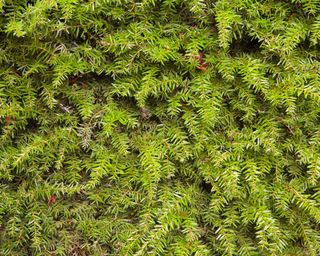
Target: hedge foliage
<point x="160" y="127"/>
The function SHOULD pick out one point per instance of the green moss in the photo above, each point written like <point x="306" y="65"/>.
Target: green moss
<point x="159" y="127"/>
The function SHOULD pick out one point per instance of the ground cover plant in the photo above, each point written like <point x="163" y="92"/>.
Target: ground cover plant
<point x="159" y="127"/>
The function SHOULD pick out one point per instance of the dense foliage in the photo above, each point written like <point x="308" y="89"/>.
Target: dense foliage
<point x="160" y="127"/>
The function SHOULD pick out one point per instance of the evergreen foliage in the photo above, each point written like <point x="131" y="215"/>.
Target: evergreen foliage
<point x="160" y="127"/>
